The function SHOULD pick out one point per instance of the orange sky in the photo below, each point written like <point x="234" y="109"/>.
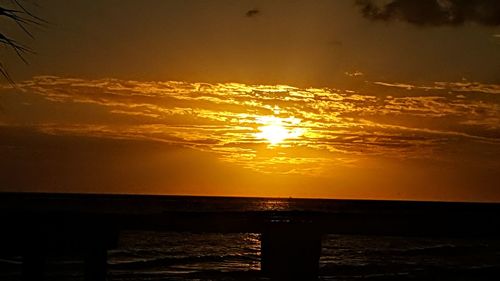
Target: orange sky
<point x="299" y="99"/>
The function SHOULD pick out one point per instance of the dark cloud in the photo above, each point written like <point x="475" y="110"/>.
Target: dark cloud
<point x="433" y="12"/>
<point x="252" y="13"/>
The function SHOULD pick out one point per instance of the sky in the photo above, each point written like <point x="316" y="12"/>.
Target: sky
<point x="365" y="99"/>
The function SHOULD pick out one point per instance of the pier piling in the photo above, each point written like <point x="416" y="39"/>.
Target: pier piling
<point x="290" y="252"/>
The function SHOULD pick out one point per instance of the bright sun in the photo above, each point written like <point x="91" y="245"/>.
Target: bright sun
<point x="275" y="132"/>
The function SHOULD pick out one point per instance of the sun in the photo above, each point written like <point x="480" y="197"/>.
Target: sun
<point x="274" y="134"/>
<point x="275" y="131"/>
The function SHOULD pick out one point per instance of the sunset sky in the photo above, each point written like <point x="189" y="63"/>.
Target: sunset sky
<point x="389" y="99"/>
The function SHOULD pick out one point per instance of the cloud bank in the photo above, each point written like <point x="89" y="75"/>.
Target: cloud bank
<point x="338" y="127"/>
<point x="433" y="12"/>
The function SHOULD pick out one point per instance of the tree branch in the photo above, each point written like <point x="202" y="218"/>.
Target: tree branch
<point x="23" y="18"/>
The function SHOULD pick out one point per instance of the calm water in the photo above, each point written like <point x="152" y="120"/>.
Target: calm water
<point x="188" y="256"/>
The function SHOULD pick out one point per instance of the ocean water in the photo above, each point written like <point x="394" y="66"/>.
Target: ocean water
<point x="174" y="256"/>
<point x="155" y="256"/>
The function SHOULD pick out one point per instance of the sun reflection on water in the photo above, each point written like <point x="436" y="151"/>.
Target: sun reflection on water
<point x="275" y="205"/>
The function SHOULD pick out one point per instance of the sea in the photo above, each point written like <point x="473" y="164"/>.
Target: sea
<point x="155" y="256"/>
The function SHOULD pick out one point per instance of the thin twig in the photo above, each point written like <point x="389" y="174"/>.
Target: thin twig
<point x="6" y="74"/>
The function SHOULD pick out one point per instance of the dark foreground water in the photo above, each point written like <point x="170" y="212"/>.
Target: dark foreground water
<point x="158" y="256"/>
<point x="172" y="256"/>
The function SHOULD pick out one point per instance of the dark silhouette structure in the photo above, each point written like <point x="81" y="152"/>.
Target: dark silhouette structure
<point x="37" y="225"/>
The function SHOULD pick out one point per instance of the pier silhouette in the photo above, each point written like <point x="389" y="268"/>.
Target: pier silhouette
<point x="38" y="225"/>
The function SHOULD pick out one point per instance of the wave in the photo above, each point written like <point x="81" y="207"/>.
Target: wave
<point x="401" y="272"/>
<point x="186" y="260"/>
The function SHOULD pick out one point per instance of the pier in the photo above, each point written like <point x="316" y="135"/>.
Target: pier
<point x="37" y="225"/>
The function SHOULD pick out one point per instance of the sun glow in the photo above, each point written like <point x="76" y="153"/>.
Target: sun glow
<point x="273" y="133"/>
<point x="276" y="130"/>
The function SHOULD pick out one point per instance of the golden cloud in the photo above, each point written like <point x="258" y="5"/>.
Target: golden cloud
<point x="337" y="127"/>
